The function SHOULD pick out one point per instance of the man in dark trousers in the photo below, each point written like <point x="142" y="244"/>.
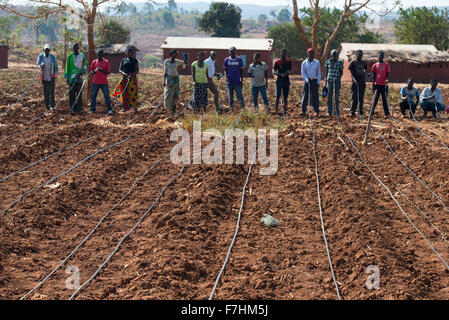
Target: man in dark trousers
<point x="358" y="69"/>
<point x="311" y="73"/>
<point x="381" y="77"/>
<point x="100" y="67"/>
<point x="49" y="71"/>
<point x="282" y="68"/>
<point x="408" y="94"/>
<point x="75" y="67"/>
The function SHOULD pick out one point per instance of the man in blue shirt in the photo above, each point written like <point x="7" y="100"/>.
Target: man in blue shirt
<point x="49" y="71"/>
<point x="431" y="99"/>
<point x="408" y="94"/>
<point x="311" y="73"/>
<point x="233" y="67"/>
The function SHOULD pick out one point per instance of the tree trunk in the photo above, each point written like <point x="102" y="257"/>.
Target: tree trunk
<point x="299" y="26"/>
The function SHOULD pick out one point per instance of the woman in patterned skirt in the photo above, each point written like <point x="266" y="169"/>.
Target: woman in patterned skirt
<point x="171" y="80"/>
<point x="126" y="91"/>
<point x="201" y="84"/>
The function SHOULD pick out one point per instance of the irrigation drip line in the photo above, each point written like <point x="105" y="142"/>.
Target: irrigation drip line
<point x="391" y="195"/>
<point x="127" y="235"/>
<point x="239" y="216"/>
<point x="425" y="135"/>
<point x="323" y="230"/>
<point x="95" y="228"/>
<point x="18" y="199"/>
<point x="24" y="92"/>
<point x="99" y="223"/>
<point x="55" y="153"/>
<point x="443" y="236"/>
<point x="410" y="170"/>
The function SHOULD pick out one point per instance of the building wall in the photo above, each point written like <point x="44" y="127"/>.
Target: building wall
<point x="3" y="57"/>
<point x="114" y="61"/>
<point x="400" y="72"/>
<point x="266" y="56"/>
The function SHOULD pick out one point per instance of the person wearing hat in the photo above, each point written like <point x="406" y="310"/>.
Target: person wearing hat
<point x="334" y="71"/>
<point x="311" y="73"/>
<point x="49" y="71"/>
<point x="126" y="90"/>
<point x="171" y="80"/>
<point x="100" y="67"/>
<point x="75" y="67"/>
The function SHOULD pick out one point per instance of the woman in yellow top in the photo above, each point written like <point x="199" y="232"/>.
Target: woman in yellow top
<point x="201" y="84"/>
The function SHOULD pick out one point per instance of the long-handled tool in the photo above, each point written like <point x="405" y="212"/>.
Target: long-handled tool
<point x="80" y="92"/>
<point x="369" y="117"/>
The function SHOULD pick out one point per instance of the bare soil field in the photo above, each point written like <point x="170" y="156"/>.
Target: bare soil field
<point x="179" y="246"/>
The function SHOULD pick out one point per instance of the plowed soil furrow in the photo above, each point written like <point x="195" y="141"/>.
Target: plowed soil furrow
<point x="37" y="221"/>
<point x="178" y="250"/>
<point x="288" y="261"/>
<point x="417" y="272"/>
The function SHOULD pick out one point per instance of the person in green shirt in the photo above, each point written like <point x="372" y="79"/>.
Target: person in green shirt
<point x="75" y="67"/>
<point x="201" y="83"/>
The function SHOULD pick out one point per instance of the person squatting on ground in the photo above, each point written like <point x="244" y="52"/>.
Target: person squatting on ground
<point x="127" y="90"/>
<point x="431" y="99"/>
<point x="100" y="68"/>
<point x="282" y="68"/>
<point x="334" y="71"/>
<point x="171" y="80"/>
<point x="201" y="83"/>
<point x="49" y="71"/>
<point x="381" y="77"/>
<point x="358" y="69"/>
<point x="233" y="68"/>
<point x="210" y="62"/>
<point x="408" y="94"/>
<point x="258" y="71"/>
<point x="74" y="68"/>
<point x="311" y="73"/>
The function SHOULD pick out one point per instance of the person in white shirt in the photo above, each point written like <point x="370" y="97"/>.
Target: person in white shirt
<point x="431" y="99"/>
<point x="311" y="73"/>
<point x="211" y="73"/>
<point x="171" y="80"/>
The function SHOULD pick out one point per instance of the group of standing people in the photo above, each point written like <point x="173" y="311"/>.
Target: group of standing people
<point x="204" y="72"/>
<point x="126" y="92"/>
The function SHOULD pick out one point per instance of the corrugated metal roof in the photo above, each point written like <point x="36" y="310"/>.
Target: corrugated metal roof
<point x="217" y="43"/>
<point x="411" y="53"/>
<point x="347" y="48"/>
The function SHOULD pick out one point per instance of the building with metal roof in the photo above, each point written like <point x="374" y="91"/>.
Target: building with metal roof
<point x="189" y="47"/>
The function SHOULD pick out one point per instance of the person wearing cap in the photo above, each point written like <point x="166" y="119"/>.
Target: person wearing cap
<point x="100" y="67"/>
<point x="126" y="90"/>
<point x="211" y="72"/>
<point x="282" y="68"/>
<point x="334" y="71"/>
<point x="49" y="71"/>
<point x="171" y="80"/>
<point x="75" y="67"/>
<point x="311" y="73"/>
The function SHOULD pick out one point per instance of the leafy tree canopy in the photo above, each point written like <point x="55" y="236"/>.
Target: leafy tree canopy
<point x="287" y="36"/>
<point x="112" y="31"/>
<point x="221" y="20"/>
<point x="423" y="26"/>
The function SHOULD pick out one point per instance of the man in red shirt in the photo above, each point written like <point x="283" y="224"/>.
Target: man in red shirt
<point x="100" y="68"/>
<point x="381" y="76"/>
